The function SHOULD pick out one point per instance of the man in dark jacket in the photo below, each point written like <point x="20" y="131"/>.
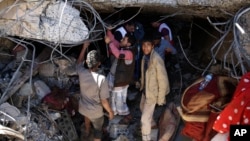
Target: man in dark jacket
<point x="122" y="70"/>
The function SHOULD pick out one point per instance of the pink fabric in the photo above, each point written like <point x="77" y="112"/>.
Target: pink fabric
<point x="114" y="48"/>
<point x="238" y="110"/>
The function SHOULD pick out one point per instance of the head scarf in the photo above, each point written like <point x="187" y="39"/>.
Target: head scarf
<point x="93" y="58"/>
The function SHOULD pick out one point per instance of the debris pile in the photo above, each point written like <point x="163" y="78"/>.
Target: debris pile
<point x="39" y="88"/>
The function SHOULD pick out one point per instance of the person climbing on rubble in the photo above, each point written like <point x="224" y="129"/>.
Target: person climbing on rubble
<point x="164" y="29"/>
<point x="154" y="86"/>
<point x="94" y="92"/>
<point x="121" y="72"/>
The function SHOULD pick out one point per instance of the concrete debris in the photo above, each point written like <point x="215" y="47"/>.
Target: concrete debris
<point x="122" y="138"/>
<point x="66" y="67"/>
<point x="41" y="89"/>
<point x="47" y="70"/>
<point x="26" y="90"/>
<point x="27" y="79"/>
<point x="54" y="116"/>
<point x="9" y="110"/>
<point x="54" y="21"/>
<point x="118" y="129"/>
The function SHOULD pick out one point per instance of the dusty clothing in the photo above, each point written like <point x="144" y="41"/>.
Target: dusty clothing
<point x="155" y="85"/>
<point x="155" y="82"/>
<point x="93" y="88"/>
<point x="147" y="120"/>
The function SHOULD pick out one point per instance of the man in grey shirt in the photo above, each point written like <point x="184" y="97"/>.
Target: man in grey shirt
<point x="94" y="92"/>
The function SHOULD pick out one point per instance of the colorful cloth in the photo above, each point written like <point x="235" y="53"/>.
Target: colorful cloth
<point x="238" y="110"/>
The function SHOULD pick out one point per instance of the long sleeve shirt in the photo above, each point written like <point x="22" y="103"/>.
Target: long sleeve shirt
<point x="114" y="48"/>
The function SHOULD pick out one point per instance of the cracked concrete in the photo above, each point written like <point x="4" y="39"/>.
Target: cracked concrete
<point x="199" y="8"/>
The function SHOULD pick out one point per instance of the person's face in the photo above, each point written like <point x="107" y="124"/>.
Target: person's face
<point x="155" y="24"/>
<point x="124" y="42"/>
<point x="147" y="47"/>
<point x="130" y="28"/>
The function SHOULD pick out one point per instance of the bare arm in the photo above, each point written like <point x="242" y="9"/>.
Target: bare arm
<point x="107" y="107"/>
<point x="81" y="56"/>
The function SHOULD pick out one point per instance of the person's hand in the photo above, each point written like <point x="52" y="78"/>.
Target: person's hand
<point x="168" y="50"/>
<point x="86" y="44"/>
<point x="111" y="115"/>
<point x="107" y="40"/>
<point x="137" y="85"/>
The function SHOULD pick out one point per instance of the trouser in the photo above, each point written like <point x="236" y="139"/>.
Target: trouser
<point x="118" y="100"/>
<point x="147" y="120"/>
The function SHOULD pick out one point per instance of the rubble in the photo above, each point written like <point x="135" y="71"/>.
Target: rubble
<point x="29" y="109"/>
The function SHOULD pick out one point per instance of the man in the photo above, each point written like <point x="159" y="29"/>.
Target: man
<point x="128" y="27"/>
<point x="94" y="92"/>
<point x="162" y="46"/>
<point x="154" y="85"/>
<point x="122" y="70"/>
<point x="165" y="31"/>
<point x="139" y="34"/>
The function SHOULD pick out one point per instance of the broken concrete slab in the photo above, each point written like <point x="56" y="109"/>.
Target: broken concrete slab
<point x="53" y="21"/>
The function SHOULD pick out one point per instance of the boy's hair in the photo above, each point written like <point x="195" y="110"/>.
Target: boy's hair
<point x="131" y="39"/>
<point x="148" y="38"/>
<point x="93" y="58"/>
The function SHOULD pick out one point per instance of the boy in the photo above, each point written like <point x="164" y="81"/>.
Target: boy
<point x="154" y="85"/>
